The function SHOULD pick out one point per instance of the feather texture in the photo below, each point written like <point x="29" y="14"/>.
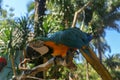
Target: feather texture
<point x="72" y="37"/>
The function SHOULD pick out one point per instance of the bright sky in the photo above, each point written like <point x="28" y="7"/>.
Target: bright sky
<point x="112" y="37"/>
<point x="18" y="5"/>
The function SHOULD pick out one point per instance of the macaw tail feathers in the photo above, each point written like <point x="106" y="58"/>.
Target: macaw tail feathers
<point x="96" y="64"/>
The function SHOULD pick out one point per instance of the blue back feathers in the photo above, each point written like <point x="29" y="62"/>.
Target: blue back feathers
<point x="71" y="37"/>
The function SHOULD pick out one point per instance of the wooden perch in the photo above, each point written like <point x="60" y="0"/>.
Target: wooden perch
<point x="42" y="67"/>
<point x="22" y="65"/>
<point x="78" y="12"/>
<point x="30" y="73"/>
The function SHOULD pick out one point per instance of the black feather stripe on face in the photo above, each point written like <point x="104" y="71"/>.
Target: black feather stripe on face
<point x="31" y="53"/>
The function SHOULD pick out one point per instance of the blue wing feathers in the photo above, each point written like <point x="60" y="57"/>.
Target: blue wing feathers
<point x="71" y="37"/>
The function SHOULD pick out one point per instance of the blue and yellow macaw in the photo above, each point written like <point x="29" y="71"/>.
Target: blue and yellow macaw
<point x="73" y="38"/>
<point x="62" y="41"/>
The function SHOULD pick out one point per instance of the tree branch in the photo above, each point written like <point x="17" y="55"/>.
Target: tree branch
<point x="30" y="73"/>
<point x="39" y="68"/>
<point x="43" y="67"/>
<point x="78" y="12"/>
<point x="22" y="65"/>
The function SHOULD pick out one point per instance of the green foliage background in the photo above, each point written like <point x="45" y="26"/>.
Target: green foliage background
<point x="97" y="17"/>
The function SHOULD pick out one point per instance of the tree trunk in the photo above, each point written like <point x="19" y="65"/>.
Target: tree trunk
<point x="39" y="13"/>
<point x="13" y="65"/>
<point x="38" y="19"/>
